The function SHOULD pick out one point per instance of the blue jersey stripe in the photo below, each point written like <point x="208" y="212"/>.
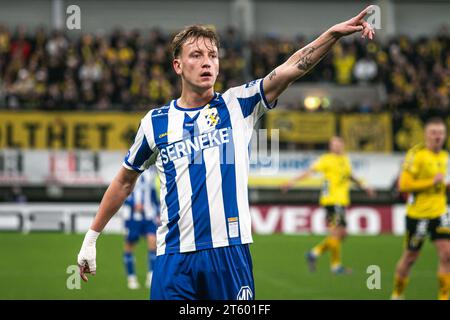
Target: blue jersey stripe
<point x="199" y="199"/>
<point x="249" y="104"/>
<point x="263" y="94"/>
<point x="144" y="152"/>
<point x="228" y="172"/>
<point x="160" y="129"/>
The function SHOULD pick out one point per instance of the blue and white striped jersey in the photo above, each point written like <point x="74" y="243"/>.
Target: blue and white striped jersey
<point x="145" y="195"/>
<point x="202" y="159"/>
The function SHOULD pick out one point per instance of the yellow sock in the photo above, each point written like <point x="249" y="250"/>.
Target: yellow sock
<point x="444" y="285"/>
<point x="335" y="250"/>
<point x="399" y="286"/>
<point x="322" y="247"/>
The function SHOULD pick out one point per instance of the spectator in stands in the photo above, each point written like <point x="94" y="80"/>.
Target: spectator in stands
<point x="344" y="59"/>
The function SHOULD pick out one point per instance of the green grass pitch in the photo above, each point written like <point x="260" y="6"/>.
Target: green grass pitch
<point x="34" y="266"/>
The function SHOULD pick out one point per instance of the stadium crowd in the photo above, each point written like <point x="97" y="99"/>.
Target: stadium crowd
<point x="131" y="70"/>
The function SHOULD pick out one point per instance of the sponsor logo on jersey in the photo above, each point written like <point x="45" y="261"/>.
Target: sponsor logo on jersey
<point x="245" y="293"/>
<point x="187" y="146"/>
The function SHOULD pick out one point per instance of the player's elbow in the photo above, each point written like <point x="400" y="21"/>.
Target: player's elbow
<point x="404" y="185"/>
<point x="401" y="185"/>
<point x="403" y="188"/>
<point x="126" y="179"/>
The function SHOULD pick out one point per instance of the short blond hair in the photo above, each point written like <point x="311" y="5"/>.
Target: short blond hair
<point x="192" y="32"/>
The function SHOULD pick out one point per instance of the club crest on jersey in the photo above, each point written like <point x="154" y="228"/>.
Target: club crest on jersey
<point x="212" y="117"/>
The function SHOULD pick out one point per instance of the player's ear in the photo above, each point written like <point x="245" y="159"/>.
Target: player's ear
<point x="176" y="63"/>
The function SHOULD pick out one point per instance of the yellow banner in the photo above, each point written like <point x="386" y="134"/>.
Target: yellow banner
<point x="410" y="132"/>
<point x="367" y="132"/>
<point x="302" y="127"/>
<point x="64" y="130"/>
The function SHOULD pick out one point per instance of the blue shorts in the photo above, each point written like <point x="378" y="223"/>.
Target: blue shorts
<point x="224" y="273"/>
<point x="136" y="229"/>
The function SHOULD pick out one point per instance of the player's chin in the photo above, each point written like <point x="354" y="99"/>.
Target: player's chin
<point x="206" y="82"/>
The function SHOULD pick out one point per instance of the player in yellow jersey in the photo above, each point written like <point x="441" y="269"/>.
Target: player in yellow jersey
<point x="423" y="177"/>
<point x="335" y="197"/>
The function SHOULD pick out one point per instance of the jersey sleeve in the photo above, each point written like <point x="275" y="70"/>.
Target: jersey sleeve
<point x="142" y="153"/>
<point x="411" y="163"/>
<point x="319" y="165"/>
<point x="252" y="100"/>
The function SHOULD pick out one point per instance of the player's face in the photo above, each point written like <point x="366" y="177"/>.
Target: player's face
<point x="435" y="136"/>
<point x="336" y="145"/>
<point x="198" y="63"/>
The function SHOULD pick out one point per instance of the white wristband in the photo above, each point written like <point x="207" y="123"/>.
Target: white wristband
<point x="90" y="237"/>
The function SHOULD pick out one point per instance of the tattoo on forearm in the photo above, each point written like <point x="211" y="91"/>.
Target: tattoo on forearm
<point x="305" y="61"/>
<point x="272" y="75"/>
<point x="306" y="57"/>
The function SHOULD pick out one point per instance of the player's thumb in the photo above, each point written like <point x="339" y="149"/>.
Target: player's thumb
<point x="92" y="266"/>
<point x="356" y="28"/>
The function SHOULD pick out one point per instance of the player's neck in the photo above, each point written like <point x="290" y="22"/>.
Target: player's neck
<point x="434" y="149"/>
<point x="194" y="99"/>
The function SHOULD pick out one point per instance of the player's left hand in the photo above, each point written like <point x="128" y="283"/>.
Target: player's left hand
<point x="355" y="24"/>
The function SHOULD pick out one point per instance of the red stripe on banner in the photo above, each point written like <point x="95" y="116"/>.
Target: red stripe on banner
<point x="305" y="219"/>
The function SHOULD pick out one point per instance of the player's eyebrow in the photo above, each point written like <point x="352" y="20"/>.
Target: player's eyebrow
<point x="201" y="51"/>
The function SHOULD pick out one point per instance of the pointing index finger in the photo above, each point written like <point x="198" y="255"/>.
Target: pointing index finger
<point x="362" y="14"/>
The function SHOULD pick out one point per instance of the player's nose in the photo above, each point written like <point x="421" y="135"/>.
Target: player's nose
<point x="206" y="64"/>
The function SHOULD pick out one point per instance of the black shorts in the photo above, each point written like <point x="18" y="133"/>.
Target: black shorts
<point x="418" y="229"/>
<point x="335" y="216"/>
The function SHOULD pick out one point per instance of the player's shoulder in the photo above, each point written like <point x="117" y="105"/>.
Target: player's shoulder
<point x="443" y="154"/>
<point x="157" y="112"/>
<point x="416" y="151"/>
<point x="242" y="88"/>
<point x="324" y="158"/>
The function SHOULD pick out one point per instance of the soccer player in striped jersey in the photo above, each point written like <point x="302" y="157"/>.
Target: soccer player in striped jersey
<point x="423" y="177"/>
<point x="199" y="144"/>
<point x="336" y="168"/>
<point x="141" y="215"/>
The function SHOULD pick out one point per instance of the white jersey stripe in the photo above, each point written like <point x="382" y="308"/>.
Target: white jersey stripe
<point x="186" y="236"/>
<point x="215" y="199"/>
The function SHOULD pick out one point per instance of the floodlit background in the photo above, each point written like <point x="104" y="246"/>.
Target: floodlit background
<point x="71" y="101"/>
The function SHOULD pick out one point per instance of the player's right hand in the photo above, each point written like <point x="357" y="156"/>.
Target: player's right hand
<point x="87" y="255"/>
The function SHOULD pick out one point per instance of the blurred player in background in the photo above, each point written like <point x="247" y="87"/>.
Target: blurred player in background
<point x="423" y="177"/>
<point x="200" y="144"/>
<point x="335" y="197"/>
<point x="141" y="214"/>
